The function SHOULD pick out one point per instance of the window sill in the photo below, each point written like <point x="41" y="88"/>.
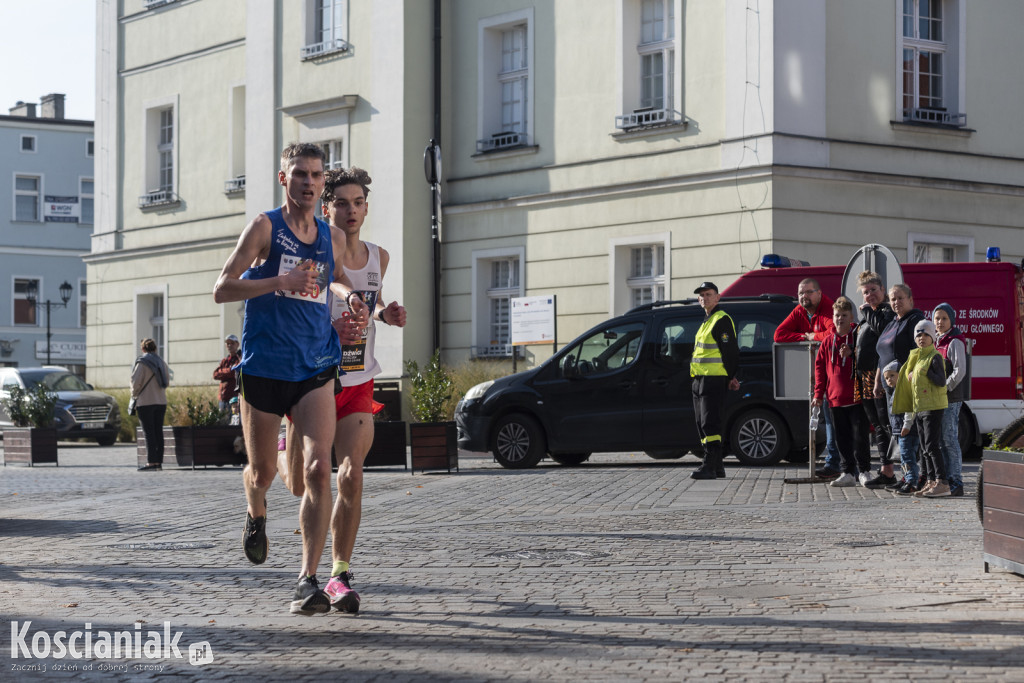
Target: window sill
<point x="506" y="152"/>
<point x="937" y="128"/>
<point x="651" y="130"/>
<point x="158" y="200"/>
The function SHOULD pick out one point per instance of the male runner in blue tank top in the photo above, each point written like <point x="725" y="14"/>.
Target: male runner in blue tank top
<point x="282" y="266"/>
<point x="345" y="207"/>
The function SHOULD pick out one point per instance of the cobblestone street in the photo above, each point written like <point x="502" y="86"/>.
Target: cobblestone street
<point x="620" y="569"/>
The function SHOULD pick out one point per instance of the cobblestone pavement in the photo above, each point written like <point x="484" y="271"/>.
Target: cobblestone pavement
<point x="621" y="569"/>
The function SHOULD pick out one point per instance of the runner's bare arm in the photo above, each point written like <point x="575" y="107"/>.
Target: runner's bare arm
<point x="254" y="244"/>
<point x="393" y="313"/>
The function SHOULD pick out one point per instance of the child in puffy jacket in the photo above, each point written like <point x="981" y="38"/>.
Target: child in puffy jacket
<point x="921" y="395"/>
<point x="953" y="346"/>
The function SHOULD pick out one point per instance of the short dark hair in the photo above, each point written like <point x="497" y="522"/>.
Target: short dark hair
<point x="339" y="177"/>
<point x="299" y="150"/>
<point x="809" y="281"/>
<point x="148" y="345"/>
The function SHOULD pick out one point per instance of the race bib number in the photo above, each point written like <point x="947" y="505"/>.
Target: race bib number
<point x="319" y="295"/>
<point x="353" y="356"/>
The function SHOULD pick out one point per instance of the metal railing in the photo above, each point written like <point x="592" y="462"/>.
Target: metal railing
<point x="150" y="4"/>
<point x="939" y="116"/>
<point x="235" y="185"/>
<point x="157" y="198"/>
<point x="501" y="141"/>
<point x="645" y="117"/>
<point x="327" y="47"/>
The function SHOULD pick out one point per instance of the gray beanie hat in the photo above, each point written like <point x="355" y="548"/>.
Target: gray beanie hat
<point x="928" y="327"/>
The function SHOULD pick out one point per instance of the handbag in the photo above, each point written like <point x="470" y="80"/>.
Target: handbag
<point x="135" y="399"/>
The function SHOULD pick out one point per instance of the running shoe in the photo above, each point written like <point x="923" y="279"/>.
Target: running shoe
<point x="882" y="481"/>
<point x="254" y="539"/>
<point x="309" y="598"/>
<point x="907" y="489"/>
<point x="343" y="598"/>
<point x="826" y="473"/>
<point x="863" y="478"/>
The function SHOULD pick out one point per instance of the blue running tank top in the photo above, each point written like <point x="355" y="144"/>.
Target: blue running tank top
<point x="287" y="335"/>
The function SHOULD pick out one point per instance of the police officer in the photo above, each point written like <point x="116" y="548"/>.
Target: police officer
<point x="713" y="368"/>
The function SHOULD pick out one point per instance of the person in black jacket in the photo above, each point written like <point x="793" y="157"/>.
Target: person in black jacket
<point x="875" y="315"/>
<point x="895" y="344"/>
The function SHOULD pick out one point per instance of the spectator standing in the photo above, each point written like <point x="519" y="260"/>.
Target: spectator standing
<point x="953" y="346"/>
<point x="150" y="377"/>
<point x="835" y="376"/>
<point x="921" y="394"/>
<point x="225" y="373"/>
<point x="811" y="320"/>
<point x="895" y="344"/>
<point x="875" y="314"/>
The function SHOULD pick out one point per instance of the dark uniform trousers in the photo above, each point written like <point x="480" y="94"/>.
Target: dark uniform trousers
<point x="709" y="393"/>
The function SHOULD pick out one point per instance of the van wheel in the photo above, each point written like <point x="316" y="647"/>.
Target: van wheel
<point x="518" y="442"/>
<point x="966" y="435"/>
<point x="759" y="437"/>
<point x="570" y="459"/>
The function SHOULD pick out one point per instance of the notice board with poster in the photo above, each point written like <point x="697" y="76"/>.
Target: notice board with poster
<point x="532" y="320"/>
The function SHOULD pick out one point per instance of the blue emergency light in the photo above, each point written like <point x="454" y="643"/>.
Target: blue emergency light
<point x="992" y="255"/>
<point x="776" y="261"/>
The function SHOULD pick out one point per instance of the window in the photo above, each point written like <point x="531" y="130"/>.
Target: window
<point x="646" y="280"/>
<point x="151" y="318"/>
<point x="929" y="83"/>
<point x="161" y="155"/>
<point x="649" y="71"/>
<point x="332" y="150"/>
<point x="603" y="352"/>
<point x="24" y="310"/>
<point x="28" y="143"/>
<point x="26" y="198"/>
<point x="498" y="277"/>
<point x="675" y="348"/>
<point x="506" y="82"/>
<point x="640" y="271"/>
<point x="90" y="148"/>
<point x="81" y="303"/>
<point x="235" y="184"/>
<point x="85" y="201"/>
<point x="931" y="248"/>
<point x="326" y="29"/>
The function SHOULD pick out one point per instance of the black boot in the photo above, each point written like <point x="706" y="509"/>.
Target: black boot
<point x="712" y="461"/>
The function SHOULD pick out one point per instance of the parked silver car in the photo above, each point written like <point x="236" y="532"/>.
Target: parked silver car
<point x="80" y="412"/>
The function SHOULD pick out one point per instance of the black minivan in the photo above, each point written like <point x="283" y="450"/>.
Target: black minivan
<point x="625" y="386"/>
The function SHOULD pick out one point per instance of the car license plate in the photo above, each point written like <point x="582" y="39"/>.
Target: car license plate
<point x="92" y="425"/>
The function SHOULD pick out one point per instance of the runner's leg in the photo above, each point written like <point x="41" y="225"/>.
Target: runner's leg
<point x="313" y="416"/>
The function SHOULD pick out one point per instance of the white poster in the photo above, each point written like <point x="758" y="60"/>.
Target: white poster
<point x="60" y="209"/>
<point x="533" y="320"/>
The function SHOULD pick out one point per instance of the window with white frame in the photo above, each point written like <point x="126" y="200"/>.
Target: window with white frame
<point x="498" y="278"/>
<point x="326" y="28"/>
<point x="649" y="71"/>
<point x="26" y="198"/>
<point x="85" y="200"/>
<point x="151" y="319"/>
<point x="639" y="271"/>
<point x="24" y="310"/>
<point x="333" y="152"/>
<point x="646" y="281"/>
<point x="930" y="84"/>
<point x="506" y="82"/>
<point x="82" y="308"/>
<point x="933" y="248"/>
<point x="160" y="156"/>
<point x="235" y="184"/>
<point x="28" y="143"/>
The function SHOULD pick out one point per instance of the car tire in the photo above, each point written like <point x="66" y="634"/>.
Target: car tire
<point x="570" y="459"/>
<point x="759" y="437"/>
<point x="106" y="440"/>
<point x="518" y="442"/>
<point x="966" y="435"/>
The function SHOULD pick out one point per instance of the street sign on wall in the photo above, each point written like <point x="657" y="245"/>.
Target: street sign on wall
<point x="61" y="350"/>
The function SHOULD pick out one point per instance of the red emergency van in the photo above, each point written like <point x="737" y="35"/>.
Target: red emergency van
<point x="988" y="298"/>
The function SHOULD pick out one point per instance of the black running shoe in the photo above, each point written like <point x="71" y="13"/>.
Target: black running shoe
<point x="881" y="481"/>
<point x="895" y="486"/>
<point x="309" y="598"/>
<point x="254" y="539"/>
<point x="826" y="473"/>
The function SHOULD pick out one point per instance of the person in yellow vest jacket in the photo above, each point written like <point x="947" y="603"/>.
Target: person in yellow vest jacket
<point x="716" y="356"/>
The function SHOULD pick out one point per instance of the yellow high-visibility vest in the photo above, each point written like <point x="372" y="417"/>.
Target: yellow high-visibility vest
<point x="707" y="359"/>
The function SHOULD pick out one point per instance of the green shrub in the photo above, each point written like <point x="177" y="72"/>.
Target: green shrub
<point x="32" y="408"/>
<point x="430" y="391"/>
<point x="468" y="374"/>
<point x="177" y="407"/>
<point x="205" y="414"/>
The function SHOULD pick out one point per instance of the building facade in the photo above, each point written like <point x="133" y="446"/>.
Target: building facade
<point x="46" y="219"/>
<point x="609" y="154"/>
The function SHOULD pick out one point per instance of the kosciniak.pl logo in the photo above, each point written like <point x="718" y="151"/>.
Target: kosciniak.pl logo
<point x="103" y="644"/>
